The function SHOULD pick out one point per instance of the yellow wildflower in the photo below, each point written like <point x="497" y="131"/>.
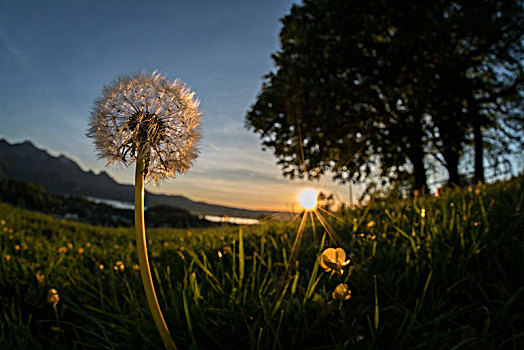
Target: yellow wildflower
<point x="17" y="247"/>
<point x="333" y="260"/>
<point x="62" y="250"/>
<point x="101" y="267"/>
<point x="80" y="250"/>
<point x="52" y="297"/>
<point x="371" y="224"/>
<point x="119" y="266"/>
<point x="39" y="276"/>
<point x="136" y="267"/>
<point x="2" y="222"/>
<point x="88" y="245"/>
<point x="70" y="245"/>
<point x="341" y="292"/>
<point x="7" y="257"/>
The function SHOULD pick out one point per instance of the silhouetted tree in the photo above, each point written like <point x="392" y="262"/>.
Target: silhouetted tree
<point x="332" y="104"/>
<point x="373" y="87"/>
<point x="477" y="68"/>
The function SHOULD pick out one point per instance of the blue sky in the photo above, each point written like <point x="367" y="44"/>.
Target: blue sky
<point x="55" y="56"/>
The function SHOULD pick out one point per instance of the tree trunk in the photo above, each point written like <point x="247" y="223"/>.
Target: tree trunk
<point x="479" y="152"/>
<point x="416" y="156"/>
<point x="419" y="171"/>
<point x="451" y="157"/>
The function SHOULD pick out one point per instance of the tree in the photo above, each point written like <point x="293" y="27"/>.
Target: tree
<point x="477" y="59"/>
<point x="324" y="109"/>
<point x="370" y="89"/>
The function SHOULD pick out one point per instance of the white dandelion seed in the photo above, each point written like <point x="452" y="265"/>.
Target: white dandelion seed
<point x="145" y="116"/>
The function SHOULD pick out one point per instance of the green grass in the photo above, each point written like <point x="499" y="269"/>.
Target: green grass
<point x="452" y="278"/>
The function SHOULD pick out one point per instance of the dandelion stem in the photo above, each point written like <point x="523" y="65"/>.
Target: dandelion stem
<point x="143" y="260"/>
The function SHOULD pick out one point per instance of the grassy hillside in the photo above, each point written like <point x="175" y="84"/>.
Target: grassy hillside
<point x="431" y="273"/>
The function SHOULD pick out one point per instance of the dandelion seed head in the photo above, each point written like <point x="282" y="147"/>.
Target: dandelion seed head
<point x="145" y="116"/>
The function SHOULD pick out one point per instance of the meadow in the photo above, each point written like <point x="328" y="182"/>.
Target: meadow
<point x="425" y="273"/>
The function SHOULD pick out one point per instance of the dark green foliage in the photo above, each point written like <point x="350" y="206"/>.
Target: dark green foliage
<point x="429" y="273"/>
<point x="27" y="195"/>
<point x="35" y="197"/>
<point x="168" y="216"/>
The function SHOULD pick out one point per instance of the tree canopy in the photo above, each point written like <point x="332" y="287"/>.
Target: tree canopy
<point x="376" y="89"/>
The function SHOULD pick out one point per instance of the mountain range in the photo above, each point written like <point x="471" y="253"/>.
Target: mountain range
<point x="61" y="175"/>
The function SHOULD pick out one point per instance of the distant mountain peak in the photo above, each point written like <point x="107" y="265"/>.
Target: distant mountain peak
<point x="62" y="175"/>
<point x="27" y="143"/>
<point x="105" y="174"/>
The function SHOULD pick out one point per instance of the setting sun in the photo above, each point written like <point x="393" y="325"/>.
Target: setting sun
<point x="308" y="199"/>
